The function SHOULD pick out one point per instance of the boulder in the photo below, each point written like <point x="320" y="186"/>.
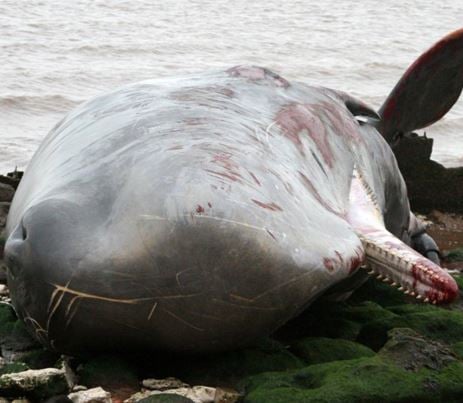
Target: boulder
<point x="412" y="352"/>
<point x="430" y="185"/>
<point x="95" y="395"/>
<point x="6" y="192"/>
<point x="37" y="384"/>
<point x="315" y="350"/>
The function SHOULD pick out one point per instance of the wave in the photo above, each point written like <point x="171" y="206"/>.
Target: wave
<point x="49" y="102"/>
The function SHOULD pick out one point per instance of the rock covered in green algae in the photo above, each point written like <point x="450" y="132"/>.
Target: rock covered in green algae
<point x="411" y="364"/>
<point x="411" y="351"/>
<point x="37" y="384"/>
<point x="408" y="367"/>
<point x="316" y="350"/>
<point x="438" y="323"/>
<point x="13" y="334"/>
<point x="361" y="380"/>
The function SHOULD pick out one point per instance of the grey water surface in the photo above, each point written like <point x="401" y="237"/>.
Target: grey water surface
<point x="57" y="54"/>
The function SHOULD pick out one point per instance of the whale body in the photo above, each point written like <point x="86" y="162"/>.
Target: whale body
<point x="199" y="213"/>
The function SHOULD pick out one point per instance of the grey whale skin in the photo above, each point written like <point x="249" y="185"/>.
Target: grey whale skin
<point x="198" y="213"/>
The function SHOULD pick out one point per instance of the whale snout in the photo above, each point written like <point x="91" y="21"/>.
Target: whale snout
<point x="173" y="284"/>
<point x="42" y="233"/>
<point x="37" y="254"/>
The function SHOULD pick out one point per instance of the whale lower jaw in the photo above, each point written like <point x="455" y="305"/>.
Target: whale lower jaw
<point x="393" y="262"/>
<point x="388" y="258"/>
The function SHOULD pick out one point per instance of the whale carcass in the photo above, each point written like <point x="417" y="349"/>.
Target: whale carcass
<point x="198" y="213"/>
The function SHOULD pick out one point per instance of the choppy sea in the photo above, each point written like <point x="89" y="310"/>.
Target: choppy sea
<point x="57" y="54"/>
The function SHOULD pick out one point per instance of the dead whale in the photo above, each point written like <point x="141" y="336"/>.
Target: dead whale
<point x="198" y="213"/>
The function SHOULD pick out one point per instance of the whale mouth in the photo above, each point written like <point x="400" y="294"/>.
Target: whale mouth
<point x="391" y="260"/>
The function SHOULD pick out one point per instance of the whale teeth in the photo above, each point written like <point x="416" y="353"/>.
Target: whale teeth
<point x="426" y="300"/>
<point x="406" y="292"/>
<point x="401" y="288"/>
<point x="386" y="280"/>
<point x="419" y="297"/>
<point x="394" y="284"/>
<point x="379" y="277"/>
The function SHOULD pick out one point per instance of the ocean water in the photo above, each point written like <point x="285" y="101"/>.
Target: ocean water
<point x="55" y="55"/>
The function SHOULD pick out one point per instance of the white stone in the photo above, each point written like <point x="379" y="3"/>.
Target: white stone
<point x="95" y="395"/>
<point x="164" y="384"/>
<point x="31" y="379"/>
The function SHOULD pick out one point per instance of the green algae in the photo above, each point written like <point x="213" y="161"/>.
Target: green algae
<point x="380" y="293"/>
<point x="415" y="361"/>
<point x="411" y="351"/>
<point x="455" y="255"/>
<point x="229" y="368"/>
<point x="360" y="380"/>
<point x="108" y="371"/>
<point x="315" y="350"/>
<point x="439" y="324"/>
<point x="13" y="367"/>
<point x="13" y="333"/>
<point x="41" y="358"/>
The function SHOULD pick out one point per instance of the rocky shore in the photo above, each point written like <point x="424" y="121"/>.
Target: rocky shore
<point x="380" y="345"/>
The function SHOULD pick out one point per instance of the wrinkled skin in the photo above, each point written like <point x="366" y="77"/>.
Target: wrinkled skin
<point x="193" y="214"/>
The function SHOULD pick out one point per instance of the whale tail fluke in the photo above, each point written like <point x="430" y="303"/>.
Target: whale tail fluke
<point x="427" y="90"/>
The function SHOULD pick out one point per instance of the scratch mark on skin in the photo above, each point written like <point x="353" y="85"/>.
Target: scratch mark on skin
<point x="53" y="296"/>
<point x="182" y="320"/>
<point x="178" y="296"/>
<point x="271" y="234"/>
<point x="68" y="321"/>
<point x="270" y="206"/>
<point x="206" y="316"/>
<point x="66" y="289"/>
<point x="124" y="324"/>
<point x="119" y="274"/>
<point x="40" y="332"/>
<point x="253" y="177"/>
<point x="241" y="298"/>
<point x="57" y="304"/>
<point x="70" y="304"/>
<point x="153" y="217"/>
<point x="253" y="308"/>
<point x="229" y="221"/>
<point x="152" y="311"/>
<point x="177" y="280"/>
<point x="267" y="130"/>
<point x="277" y="287"/>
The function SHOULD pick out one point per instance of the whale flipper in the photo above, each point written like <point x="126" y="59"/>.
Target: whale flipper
<point x="427" y="90"/>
